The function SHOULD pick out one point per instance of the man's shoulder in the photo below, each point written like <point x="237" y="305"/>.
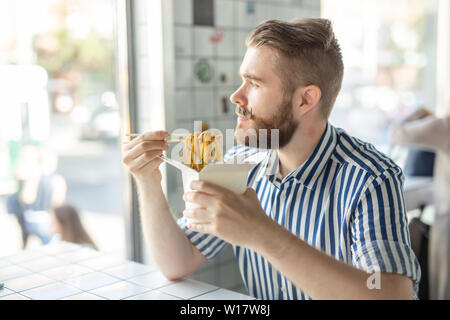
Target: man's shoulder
<point x="354" y="152"/>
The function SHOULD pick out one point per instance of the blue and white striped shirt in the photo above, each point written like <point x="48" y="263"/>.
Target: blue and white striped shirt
<point x="345" y="200"/>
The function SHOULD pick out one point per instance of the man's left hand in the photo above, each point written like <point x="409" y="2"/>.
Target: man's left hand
<point x="235" y="218"/>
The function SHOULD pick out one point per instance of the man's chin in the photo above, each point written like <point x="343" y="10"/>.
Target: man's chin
<point x="245" y="125"/>
<point x="237" y="137"/>
<point x="245" y="140"/>
<point x="240" y="140"/>
<point x="239" y="133"/>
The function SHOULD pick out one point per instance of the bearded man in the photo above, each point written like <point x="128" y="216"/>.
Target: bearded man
<point x="323" y="216"/>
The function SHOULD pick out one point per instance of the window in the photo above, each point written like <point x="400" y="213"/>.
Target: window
<point x="389" y="50"/>
<point x="58" y="95"/>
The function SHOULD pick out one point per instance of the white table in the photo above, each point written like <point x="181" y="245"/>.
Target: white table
<point x="70" y="272"/>
<point x="418" y="191"/>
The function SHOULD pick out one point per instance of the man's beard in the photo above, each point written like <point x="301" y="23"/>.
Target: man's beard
<point x="281" y="127"/>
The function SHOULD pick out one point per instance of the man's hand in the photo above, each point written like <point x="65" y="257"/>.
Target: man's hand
<point x="141" y="156"/>
<point x="419" y="114"/>
<point x="232" y="217"/>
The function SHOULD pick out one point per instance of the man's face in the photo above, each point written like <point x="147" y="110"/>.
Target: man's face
<point x="262" y="94"/>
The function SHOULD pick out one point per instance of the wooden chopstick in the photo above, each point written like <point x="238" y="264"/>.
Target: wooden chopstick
<point x="170" y="135"/>
<point x="168" y="141"/>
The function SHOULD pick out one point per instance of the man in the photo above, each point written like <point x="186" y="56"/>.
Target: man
<point x="324" y="215"/>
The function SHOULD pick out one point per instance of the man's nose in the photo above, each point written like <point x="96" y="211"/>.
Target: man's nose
<point x="238" y="97"/>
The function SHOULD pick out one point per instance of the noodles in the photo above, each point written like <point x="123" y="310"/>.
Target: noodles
<point x="202" y="149"/>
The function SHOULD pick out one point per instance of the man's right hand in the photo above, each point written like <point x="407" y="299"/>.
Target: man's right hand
<point x="141" y="156"/>
<point x="169" y="247"/>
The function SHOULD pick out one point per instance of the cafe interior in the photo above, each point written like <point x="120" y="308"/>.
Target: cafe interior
<point x="81" y="79"/>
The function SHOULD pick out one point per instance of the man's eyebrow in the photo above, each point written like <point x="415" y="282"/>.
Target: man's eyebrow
<point x="251" y="77"/>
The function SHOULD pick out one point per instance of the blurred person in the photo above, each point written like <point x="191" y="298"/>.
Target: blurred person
<point x="425" y="130"/>
<point x="39" y="189"/>
<point x="323" y="216"/>
<point x="66" y="222"/>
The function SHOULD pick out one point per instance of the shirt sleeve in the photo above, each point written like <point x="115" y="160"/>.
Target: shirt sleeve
<point x="379" y="230"/>
<point x="208" y="245"/>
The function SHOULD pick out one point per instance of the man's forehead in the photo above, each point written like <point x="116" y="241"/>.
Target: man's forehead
<point x="257" y="60"/>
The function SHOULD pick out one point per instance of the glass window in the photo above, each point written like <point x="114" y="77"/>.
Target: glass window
<point x="389" y="50"/>
<point x="60" y="124"/>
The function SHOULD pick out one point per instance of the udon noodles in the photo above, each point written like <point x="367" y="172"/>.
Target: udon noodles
<point x="202" y="149"/>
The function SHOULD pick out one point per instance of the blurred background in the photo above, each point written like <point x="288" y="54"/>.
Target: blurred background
<point x="58" y="93"/>
<point x="76" y="74"/>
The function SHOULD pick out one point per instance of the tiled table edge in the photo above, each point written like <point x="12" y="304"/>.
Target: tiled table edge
<point x="57" y="250"/>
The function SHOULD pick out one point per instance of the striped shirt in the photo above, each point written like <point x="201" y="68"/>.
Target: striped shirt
<point x="345" y="200"/>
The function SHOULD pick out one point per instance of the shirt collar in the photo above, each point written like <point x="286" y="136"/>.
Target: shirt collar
<point x="311" y="169"/>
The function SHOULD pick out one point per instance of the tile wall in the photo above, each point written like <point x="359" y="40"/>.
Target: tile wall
<point x="194" y="48"/>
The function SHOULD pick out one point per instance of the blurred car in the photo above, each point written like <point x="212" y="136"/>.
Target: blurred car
<point x="103" y="125"/>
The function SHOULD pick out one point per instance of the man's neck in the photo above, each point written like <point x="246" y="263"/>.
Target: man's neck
<point x="301" y="147"/>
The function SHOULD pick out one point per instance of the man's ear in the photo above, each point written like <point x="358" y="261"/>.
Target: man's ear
<point x="307" y="98"/>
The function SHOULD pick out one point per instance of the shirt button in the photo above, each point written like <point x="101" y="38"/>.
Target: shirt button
<point x="283" y="289"/>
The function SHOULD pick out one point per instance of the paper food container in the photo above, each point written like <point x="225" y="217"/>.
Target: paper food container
<point x="232" y="176"/>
